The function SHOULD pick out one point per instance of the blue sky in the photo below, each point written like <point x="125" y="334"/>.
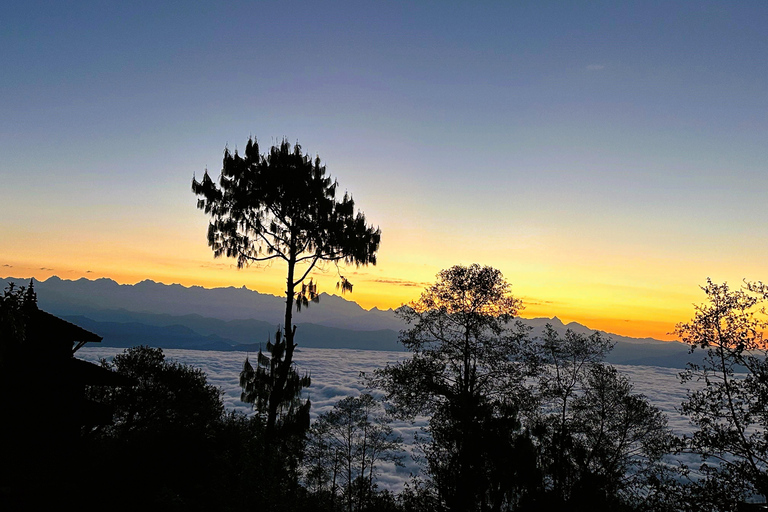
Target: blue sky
<point x="606" y="156"/>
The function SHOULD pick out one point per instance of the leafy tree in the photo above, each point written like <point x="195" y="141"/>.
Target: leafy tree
<point x="161" y="443"/>
<point x="29" y="441"/>
<point x="729" y="407"/>
<point x="600" y="444"/>
<point x="167" y="396"/>
<point x="465" y="372"/>
<point x="258" y="384"/>
<point x="346" y="446"/>
<point x="281" y="205"/>
<point x="620" y="439"/>
<point x="247" y="471"/>
<point x="565" y="366"/>
<point x="293" y="413"/>
<point x="16" y="303"/>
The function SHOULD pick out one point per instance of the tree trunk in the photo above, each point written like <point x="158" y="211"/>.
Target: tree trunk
<point x="276" y="397"/>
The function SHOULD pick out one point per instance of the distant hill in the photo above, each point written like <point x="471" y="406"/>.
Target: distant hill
<point x="199" y="333"/>
<point x="175" y="316"/>
<point x="626" y="350"/>
<point x="65" y="297"/>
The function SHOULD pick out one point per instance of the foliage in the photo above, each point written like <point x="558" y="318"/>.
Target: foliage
<point x="247" y="471"/>
<point x="465" y="372"/>
<point x="346" y="446"/>
<point x="600" y="445"/>
<point x="460" y="340"/>
<point x="15" y="304"/>
<point x="730" y="406"/>
<point x="162" y="441"/>
<point x="293" y="413"/>
<point x="565" y="366"/>
<point x="168" y="396"/>
<point x="31" y="450"/>
<point x="281" y="205"/>
<point x="257" y="384"/>
<point x="172" y="447"/>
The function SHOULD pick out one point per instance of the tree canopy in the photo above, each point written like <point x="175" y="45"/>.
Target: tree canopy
<point x="258" y="386"/>
<point x="729" y="404"/>
<point x="460" y="338"/>
<point x="600" y="444"/>
<point x="161" y="449"/>
<point x="282" y="205"/>
<point x="464" y="372"/>
<point x="168" y="397"/>
<point x="345" y="448"/>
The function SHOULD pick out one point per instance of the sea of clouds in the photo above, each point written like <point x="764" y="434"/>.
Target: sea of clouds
<point x="336" y="374"/>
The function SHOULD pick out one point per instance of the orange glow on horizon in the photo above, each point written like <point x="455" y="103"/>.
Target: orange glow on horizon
<point x="369" y="292"/>
<point x="615" y="292"/>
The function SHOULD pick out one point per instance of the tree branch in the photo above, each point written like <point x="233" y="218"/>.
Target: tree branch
<point x="305" y="273"/>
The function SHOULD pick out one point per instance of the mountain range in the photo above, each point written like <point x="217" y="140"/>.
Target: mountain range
<point x="175" y="316"/>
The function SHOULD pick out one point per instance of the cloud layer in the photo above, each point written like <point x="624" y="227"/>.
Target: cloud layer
<point x="336" y="374"/>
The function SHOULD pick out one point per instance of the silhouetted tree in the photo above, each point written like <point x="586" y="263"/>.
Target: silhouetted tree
<point x="465" y="372"/>
<point x="167" y="395"/>
<point x="346" y="446"/>
<point x="247" y="471"/>
<point x="16" y="302"/>
<point x="565" y="365"/>
<point x="19" y="455"/>
<point x="161" y="443"/>
<point x="729" y="406"/>
<point x="600" y="444"/>
<point x="293" y="412"/>
<point x="281" y="205"/>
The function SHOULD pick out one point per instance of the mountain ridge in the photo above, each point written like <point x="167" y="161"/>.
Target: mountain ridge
<point x="232" y="318"/>
<point x="63" y="296"/>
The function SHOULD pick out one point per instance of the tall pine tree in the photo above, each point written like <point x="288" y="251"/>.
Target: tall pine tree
<point x="281" y="205"/>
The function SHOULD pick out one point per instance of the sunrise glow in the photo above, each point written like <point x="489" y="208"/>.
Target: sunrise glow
<point x="607" y="161"/>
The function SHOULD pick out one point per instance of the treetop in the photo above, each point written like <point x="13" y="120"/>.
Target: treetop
<point x="477" y="290"/>
<point x="281" y="204"/>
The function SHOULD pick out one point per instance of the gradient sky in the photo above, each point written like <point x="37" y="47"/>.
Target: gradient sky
<point x="607" y="157"/>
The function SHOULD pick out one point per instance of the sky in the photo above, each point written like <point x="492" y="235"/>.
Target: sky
<point x="607" y="157"/>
